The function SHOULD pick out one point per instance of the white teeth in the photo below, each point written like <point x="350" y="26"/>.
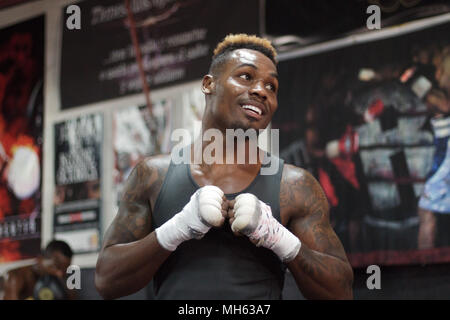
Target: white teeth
<point x="257" y="110"/>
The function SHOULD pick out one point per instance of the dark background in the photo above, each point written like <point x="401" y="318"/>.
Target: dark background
<point x="327" y="19"/>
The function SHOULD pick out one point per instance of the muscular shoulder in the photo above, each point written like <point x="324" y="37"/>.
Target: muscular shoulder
<point x="161" y="161"/>
<point x="155" y="164"/>
<point x="300" y="194"/>
<point x="158" y="165"/>
<point x="146" y="178"/>
<point x="133" y="219"/>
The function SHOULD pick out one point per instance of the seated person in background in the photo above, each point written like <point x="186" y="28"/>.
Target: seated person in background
<point x="20" y="283"/>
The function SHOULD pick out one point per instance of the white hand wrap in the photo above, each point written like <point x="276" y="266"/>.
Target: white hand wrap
<point x="254" y="219"/>
<point x="201" y="213"/>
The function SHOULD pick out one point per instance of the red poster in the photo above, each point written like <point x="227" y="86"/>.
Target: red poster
<point x="21" y="122"/>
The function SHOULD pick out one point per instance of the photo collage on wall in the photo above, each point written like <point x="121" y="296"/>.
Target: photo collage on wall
<point x="369" y="121"/>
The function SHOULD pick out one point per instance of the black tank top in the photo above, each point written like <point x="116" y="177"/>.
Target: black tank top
<point x="221" y="265"/>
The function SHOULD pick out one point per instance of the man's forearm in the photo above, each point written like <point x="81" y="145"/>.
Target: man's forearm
<point x="321" y="276"/>
<point x="123" y="269"/>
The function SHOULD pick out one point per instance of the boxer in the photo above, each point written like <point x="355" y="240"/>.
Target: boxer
<point x="20" y="283"/>
<point x="225" y="231"/>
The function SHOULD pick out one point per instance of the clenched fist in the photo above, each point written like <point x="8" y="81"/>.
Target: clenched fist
<point x="253" y="218"/>
<point x="207" y="208"/>
<point x="212" y="205"/>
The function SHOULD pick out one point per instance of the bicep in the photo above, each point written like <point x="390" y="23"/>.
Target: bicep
<point x="131" y="224"/>
<point x="132" y="221"/>
<point x="317" y="233"/>
<point x="310" y="222"/>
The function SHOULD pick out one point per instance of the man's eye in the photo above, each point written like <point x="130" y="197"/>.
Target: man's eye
<point x="245" y="76"/>
<point x="271" y="87"/>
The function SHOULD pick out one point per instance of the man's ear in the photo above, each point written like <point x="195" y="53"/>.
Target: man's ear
<point x="208" y="84"/>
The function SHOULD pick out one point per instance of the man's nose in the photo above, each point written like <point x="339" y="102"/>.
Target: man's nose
<point x="259" y="90"/>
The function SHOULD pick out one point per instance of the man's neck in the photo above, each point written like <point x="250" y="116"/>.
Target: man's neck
<point x="231" y="152"/>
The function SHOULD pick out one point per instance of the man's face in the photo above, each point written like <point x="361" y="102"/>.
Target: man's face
<point x="245" y="94"/>
<point x="58" y="263"/>
<point x="61" y="261"/>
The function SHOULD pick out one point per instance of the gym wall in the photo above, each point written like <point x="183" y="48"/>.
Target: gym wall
<point x="398" y="282"/>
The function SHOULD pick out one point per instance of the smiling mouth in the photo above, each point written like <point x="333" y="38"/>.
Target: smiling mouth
<point x="252" y="109"/>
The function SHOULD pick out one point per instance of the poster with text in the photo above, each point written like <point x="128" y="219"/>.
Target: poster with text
<point x="77" y="200"/>
<point x="176" y="39"/>
<point x="371" y="122"/>
<point x="21" y="126"/>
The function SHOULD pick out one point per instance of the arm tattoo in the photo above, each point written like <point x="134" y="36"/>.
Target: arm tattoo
<point x="304" y="204"/>
<point x="133" y="220"/>
<point x="318" y="268"/>
<point x="305" y="207"/>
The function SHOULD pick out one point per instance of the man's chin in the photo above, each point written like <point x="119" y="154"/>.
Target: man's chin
<point x="246" y="125"/>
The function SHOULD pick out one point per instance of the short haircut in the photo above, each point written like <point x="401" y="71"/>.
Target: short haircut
<point x="58" y="245"/>
<point x="240" y="41"/>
